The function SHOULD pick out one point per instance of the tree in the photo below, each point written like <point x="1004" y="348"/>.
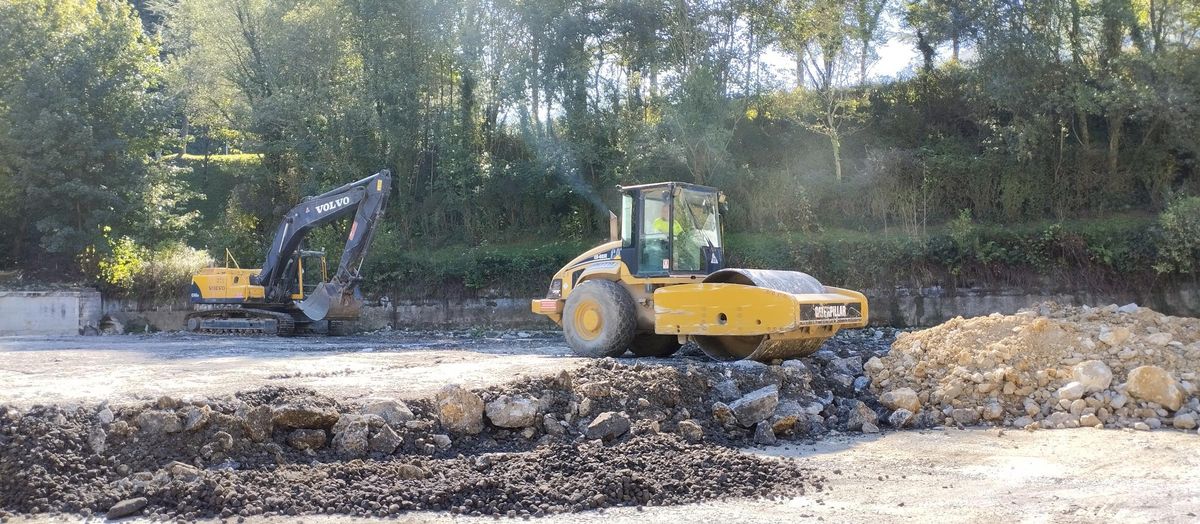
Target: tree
<point x="79" y="119"/>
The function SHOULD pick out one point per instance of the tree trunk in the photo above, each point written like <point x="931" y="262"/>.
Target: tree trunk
<point x="534" y="85"/>
<point x="184" y="131"/>
<point x="1115" y="123"/>
<point x="862" y="64"/>
<point x="835" y="140"/>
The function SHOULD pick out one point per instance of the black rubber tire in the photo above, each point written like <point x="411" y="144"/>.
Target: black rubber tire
<point x="617" y="319"/>
<point x="653" y="345"/>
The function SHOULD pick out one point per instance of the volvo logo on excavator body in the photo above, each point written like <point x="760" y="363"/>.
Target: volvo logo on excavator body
<point x="331" y="205"/>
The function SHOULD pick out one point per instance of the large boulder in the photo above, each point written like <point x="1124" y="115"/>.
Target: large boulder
<point x="385" y="440"/>
<point x="155" y="421"/>
<point x="1114" y="336"/>
<point x="608" y="426"/>
<point x="755" y="406"/>
<point x="900" y="418"/>
<point x="1094" y="375"/>
<point x="460" y="410"/>
<point x="393" y="412"/>
<point x="307" y="439"/>
<point x="1073" y="390"/>
<point x="512" y="412"/>
<point x="690" y="430"/>
<point x="859" y="416"/>
<point x="257" y="423"/>
<point x="304" y="415"/>
<point x="126" y="508"/>
<point x="1154" y="384"/>
<point x="764" y="435"/>
<point x="351" y="436"/>
<point x="901" y="398"/>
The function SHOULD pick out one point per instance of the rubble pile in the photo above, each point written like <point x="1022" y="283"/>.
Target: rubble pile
<point x="1047" y="367"/>
<point x="616" y="432"/>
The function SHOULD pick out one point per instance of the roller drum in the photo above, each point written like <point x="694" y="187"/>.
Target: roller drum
<point x="762" y="348"/>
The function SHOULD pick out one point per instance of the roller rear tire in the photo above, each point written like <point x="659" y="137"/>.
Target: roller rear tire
<point x="653" y="345"/>
<point x="599" y="319"/>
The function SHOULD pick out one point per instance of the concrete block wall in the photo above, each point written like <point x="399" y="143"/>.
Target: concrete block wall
<point x="74" y="312"/>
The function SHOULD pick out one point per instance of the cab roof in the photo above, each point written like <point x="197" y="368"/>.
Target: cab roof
<point x="667" y="185"/>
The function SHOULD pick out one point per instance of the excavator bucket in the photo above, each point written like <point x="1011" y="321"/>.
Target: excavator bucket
<point x="757" y="314"/>
<point x="331" y="301"/>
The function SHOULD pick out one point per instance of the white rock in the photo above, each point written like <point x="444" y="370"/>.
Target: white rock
<point x="1185" y="421"/>
<point x="901" y="398"/>
<point x="1159" y="339"/>
<point x="1093" y="374"/>
<point x="512" y="412"/>
<point x="1118" y="401"/>
<point x="1141" y="426"/>
<point x="1114" y="336"/>
<point x="993" y="411"/>
<point x="393" y="412"/>
<point x="900" y="418"/>
<point x="1071" y="391"/>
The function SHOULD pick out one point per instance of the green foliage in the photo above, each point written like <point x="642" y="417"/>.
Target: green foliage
<point x="122" y="264"/>
<point x="1179" y="244"/>
<point x="507" y="124"/>
<point x="131" y="269"/>
<point x="78" y="118"/>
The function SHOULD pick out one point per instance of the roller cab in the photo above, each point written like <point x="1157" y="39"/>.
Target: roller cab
<point x="660" y="281"/>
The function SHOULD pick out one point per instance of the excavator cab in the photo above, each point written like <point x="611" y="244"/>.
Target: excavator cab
<point x="313" y="271"/>
<point x="671" y="228"/>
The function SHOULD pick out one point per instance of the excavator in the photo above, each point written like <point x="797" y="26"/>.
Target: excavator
<point x="660" y="282"/>
<point x="291" y="294"/>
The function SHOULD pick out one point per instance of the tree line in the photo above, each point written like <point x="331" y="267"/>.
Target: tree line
<point x="510" y="120"/>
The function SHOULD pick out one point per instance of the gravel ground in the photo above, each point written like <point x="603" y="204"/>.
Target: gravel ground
<point x="202" y="428"/>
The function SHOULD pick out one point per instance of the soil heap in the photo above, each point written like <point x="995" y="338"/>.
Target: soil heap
<point x="615" y="432"/>
<point x="1046" y="367"/>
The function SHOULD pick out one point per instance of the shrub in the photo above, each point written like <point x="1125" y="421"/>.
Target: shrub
<point x="1179" y="240"/>
<point x="167" y="271"/>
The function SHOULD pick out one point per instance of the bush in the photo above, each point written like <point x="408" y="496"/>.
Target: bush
<point x="1179" y="240"/>
<point x="124" y="261"/>
<point x="133" y="270"/>
<point x="168" y="270"/>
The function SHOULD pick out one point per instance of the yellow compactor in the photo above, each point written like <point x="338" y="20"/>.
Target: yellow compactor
<point x="661" y="281"/>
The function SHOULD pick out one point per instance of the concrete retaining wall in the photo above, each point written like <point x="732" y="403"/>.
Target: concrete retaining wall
<point x="85" y="312"/>
<point x="932" y="306"/>
<point x="49" y="312"/>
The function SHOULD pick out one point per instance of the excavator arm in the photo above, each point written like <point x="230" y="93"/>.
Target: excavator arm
<point x="339" y="298"/>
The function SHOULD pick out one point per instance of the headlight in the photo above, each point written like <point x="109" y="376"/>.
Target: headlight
<point x="555" y="289"/>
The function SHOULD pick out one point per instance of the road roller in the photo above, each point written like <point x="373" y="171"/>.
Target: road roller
<point x="660" y="282"/>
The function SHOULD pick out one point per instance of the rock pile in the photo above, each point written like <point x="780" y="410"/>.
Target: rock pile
<point x="644" y="433"/>
<point x="1047" y="367"/>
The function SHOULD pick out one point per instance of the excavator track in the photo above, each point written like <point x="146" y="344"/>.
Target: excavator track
<point x="241" y="321"/>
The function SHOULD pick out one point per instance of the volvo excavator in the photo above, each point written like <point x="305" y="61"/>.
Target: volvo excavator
<point x="291" y="293"/>
<point x="661" y="281"/>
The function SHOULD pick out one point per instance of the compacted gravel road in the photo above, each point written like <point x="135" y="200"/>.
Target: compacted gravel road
<point x="943" y="474"/>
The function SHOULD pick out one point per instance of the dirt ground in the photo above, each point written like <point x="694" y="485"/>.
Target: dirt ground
<point x="121" y="369"/>
<point x="975" y="475"/>
<point x="952" y="475"/>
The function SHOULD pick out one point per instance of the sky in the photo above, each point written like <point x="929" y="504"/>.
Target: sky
<point x="897" y="57"/>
